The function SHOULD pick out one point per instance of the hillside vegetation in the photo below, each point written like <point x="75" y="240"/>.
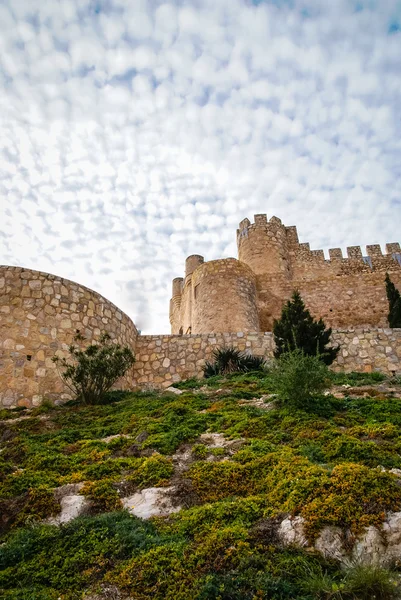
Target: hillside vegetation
<point x="328" y="463"/>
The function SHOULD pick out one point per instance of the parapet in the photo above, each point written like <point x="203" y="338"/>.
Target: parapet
<point x="192" y="263"/>
<point x="356" y="259"/>
<point x="177" y="286"/>
<point x="259" y="221"/>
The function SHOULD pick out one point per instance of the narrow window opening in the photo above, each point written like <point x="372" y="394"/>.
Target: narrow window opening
<point x="29" y="357"/>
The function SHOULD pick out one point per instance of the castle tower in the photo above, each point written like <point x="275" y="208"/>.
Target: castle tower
<point x="265" y="247"/>
<point x="175" y="304"/>
<point x="224" y="297"/>
<point x="216" y="296"/>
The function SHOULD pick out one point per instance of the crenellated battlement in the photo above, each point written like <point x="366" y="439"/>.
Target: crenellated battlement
<point x="260" y="222"/>
<point x="298" y="252"/>
<point x="344" y="289"/>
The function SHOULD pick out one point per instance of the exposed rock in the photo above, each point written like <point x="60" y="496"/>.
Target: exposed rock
<point x="174" y="390"/>
<point x="370" y="548"/>
<point x="330" y="543"/>
<point x="264" y="402"/>
<point x="72" y="504"/>
<point x="107" y="592"/>
<point x="291" y="532"/>
<point x="141" y="437"/>
<point x="67" y="490"/>
<point x="182" y="458"/>
<point x="109" y="438"/>
<point x="217" y="440"/>
<point x="392" y="535"/>
<point x="152" y="502"/>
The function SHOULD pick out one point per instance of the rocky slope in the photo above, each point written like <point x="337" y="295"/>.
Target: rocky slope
<point x="210" y="491"/>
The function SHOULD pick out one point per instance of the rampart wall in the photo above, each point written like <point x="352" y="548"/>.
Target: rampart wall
<point x="344" y="291"/>
<point x="166" y="359"/>
<point x="39" y="316"/>
<point x="218" y="303"/>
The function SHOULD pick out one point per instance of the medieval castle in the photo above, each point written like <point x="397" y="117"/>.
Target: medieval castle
<point x="248" y="294"/>
<point x="221" y="302"/>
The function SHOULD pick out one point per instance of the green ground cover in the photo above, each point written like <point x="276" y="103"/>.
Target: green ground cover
<point x="325" y="464"/>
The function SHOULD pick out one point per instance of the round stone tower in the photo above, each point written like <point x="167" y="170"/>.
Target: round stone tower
<point x="40" y="315"/>
<point x="223" y="297"/>
<point x="175" y="305"/>
<point x="263" y="246"/>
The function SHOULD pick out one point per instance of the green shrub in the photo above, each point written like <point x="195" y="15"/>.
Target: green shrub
<point x="247" y="585"/>
<point x="90" y="373"/>
<point x="296" y="329"/>
<point x="155" y="471"/>
<point x="358" y="583"/>
<point x="297" y="378"/>
<point x="371" y="582"/>
<point x="103" y="496"/>
<point x="230" y="360"/>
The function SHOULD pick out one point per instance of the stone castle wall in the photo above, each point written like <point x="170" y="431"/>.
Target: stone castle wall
<point x="344" y="291"/>
<point x="220" y="303"/>
<point x="166" y="359"/>
<point x="162" y="360"/>
<point x="39" y="316"/>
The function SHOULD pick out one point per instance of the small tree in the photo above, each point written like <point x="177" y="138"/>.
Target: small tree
<point x="394" y="303"/>
<point x="298" y="378"/>
<point x="296" y="329"/>
<point x="90" y="373"/>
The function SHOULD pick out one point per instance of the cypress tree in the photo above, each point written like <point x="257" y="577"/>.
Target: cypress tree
<point x="394" y="303"/>
<point x="296" y="329"/>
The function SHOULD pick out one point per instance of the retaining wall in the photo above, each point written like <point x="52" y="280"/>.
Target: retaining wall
<point x="164" y="360"/>
<point x="39" y="316"/>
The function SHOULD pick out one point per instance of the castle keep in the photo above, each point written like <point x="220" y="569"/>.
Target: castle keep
<point x="247" y="294"/>
<point x="218" y="303"/>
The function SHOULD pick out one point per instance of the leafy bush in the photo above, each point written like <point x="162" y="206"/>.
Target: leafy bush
<point x="103" y="496"/>
<point x="90" y="373"/>
<point x="230" y="360"/>
<point x="298" y="377"/>
<point x="296" y="329"/>
<point x="155" y="471"/>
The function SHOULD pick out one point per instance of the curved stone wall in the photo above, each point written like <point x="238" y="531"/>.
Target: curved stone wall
<point x="39" y="316"/>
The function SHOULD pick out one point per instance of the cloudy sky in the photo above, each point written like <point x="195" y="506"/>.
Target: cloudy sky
<point x="136" y="132"/>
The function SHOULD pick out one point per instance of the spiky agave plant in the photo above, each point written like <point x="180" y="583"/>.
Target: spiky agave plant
<point x="231" y="360"/>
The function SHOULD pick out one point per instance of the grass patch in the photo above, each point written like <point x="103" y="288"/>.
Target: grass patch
<point x="320" y="463"/>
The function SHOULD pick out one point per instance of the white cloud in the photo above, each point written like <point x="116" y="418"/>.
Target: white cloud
<point x="136" y="133"/>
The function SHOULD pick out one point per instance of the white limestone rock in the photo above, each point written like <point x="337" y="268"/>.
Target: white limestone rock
<point x="72" y="503"/>
<point x="291" y="532"/>
<point x="370" y="548"/>
<point x="392" y="536"/>
<point x="330" y="543"/>
<point x="152" y="502"/>
<point x="174" y="390"/>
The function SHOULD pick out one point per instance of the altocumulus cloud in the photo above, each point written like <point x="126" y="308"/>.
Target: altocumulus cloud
<point x="134" y="133"/>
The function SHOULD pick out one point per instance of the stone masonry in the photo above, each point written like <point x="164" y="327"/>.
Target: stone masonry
<point x="39" y="316"/>
<point x="166" y="359"/>
<point x="220" y="303"/>
<point x="248" y="294"/>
